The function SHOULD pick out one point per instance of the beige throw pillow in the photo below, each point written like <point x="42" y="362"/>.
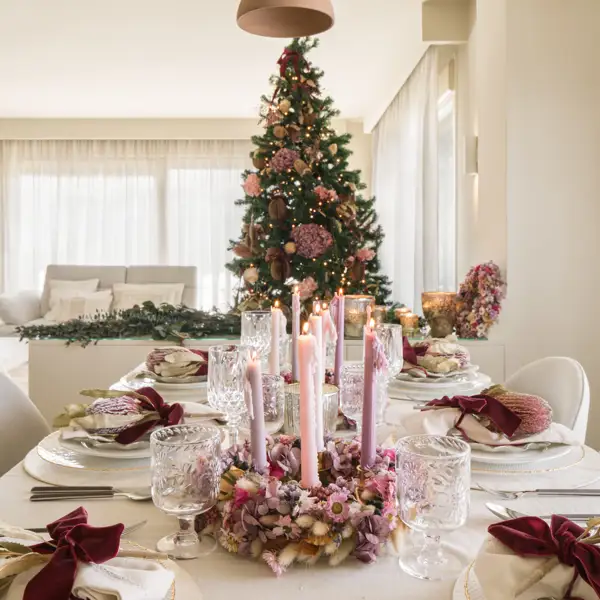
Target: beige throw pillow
<point x="73" y="306"/>
<point x="65" y="288"/>
<point x="127" y="295"/>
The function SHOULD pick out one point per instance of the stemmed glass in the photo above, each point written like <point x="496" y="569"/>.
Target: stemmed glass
<point x="352" y="383"/>
<point x="186" y="475"/>
<point x="256" y="332"/>
<point x="390" y="336"/>
<point x="226" y="376"/>
<point x="434" y="475"/>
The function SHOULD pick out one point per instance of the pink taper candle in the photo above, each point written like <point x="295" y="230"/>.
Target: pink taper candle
<point x="256" y="412"/>
<point x="276" y="318"/>
<point x="316" y="328"/>
<point x="367" y="457"/>
<point x="339" y="347"/>
<point x="295" y="333"/>
<point x="307" y="347"/>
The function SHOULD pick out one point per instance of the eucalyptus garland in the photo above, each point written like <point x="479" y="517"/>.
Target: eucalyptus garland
<point x="165" y="322"/>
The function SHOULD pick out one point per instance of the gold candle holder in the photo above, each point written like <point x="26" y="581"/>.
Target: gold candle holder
<point x="439" y="309"/>
<point x="410" y="323"/>
<point x="355" y="314"/>
<point x="403" y="310"/>
<point x="379" y="314"/>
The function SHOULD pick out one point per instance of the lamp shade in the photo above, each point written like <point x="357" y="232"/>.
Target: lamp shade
<point x="285" y="18"/>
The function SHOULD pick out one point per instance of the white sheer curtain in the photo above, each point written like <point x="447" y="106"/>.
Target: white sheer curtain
<point x="124" y="203"/>
<point x="405" y="183"/>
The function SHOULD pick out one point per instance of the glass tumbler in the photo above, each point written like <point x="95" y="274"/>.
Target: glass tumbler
<point x="256" y="332"/>
<point x="226" y="377"/>
<point x="434" y="476"/>
<point x="186" y="475"/>
<point x="352" y="381"/>
<point x="273" y="402"/>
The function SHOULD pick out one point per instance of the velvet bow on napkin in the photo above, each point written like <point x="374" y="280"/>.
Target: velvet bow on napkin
<point x="527" y="559"/>
<point x="68" y="566"/>
<point x="502" y="417"/>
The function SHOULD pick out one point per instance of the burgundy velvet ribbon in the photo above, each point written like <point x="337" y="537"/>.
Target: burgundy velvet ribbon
<point x="411" y="353"/>
<point x="531" y="536"/>
<point x="288" y="56"/>
<point x="165" y="415"/>
<point x="501" y="416"/>
<point x="73" y="540"/>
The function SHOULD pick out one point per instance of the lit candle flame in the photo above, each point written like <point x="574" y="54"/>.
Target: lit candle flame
<point x="324" y="305"/>
<point x="254" y="355"/>
<point x="305" y="328"/>
<point x="372" y="323"/>
<point x="296" y="288"/>
<point x="317" y="308"/>
<point x="276" y="304"/>
<point x="341" y="292"/>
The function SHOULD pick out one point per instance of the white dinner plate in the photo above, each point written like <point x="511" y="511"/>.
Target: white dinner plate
<point x="110" y="450"/>
<point x="198" y="385"/>
<point x="532" y="456"/>
<point x="426" y="382"/>
<point x="135" y="383"/>
<point x="464" y="374"/>
<point x="52" y="451"/>
<point x="403" y="390"/>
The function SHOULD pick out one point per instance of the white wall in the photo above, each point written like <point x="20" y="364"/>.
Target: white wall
<point x="534" y="87"/>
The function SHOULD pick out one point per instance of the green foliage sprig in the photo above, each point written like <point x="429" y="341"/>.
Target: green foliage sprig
<point x="165" y="322"/>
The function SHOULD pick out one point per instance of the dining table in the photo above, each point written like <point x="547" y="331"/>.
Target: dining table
<point x="221" y="575"/>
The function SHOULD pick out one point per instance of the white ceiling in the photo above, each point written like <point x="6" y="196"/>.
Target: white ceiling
<point x="187" y="58"/>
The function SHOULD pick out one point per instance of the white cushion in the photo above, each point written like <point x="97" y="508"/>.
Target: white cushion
<point x="63" y="287"/>
<point x="74" y="305"/>
<point x="127" y="295"/>
<point x="20" y="308"/>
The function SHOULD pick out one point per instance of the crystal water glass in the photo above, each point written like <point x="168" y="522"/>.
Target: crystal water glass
<point x="390" y="336"/>
<point x="256" y="332"/>
<point x="186" y="475"/>
<point x="273" y="403"/>
<point x="352" y="383"/>
<point x="434" y="477"/>
<point x="226" y="379"/>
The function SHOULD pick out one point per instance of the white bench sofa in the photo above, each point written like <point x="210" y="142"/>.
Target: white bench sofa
<point x="29" y="307"/>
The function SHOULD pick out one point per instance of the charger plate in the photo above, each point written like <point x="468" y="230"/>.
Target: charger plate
<point x="112" y="450"/>
<point x="511" y="455"/>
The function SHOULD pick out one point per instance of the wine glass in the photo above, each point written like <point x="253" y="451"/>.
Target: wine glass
<point x="434" y="476"/>
<point x="256" y="332"/>
<point x="390" y="336"/>
<point x="186" y="476"/>
<point x="352" y="384"/>
<point x="226" y="377"/>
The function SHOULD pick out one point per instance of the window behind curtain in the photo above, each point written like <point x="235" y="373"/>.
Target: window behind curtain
<point x="122" y="202"/>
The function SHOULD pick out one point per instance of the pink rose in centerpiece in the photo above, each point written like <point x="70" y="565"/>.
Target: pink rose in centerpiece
<point x="252" y="185"/>
<point x="307" y="287"/>
<point x="365" y="254"/>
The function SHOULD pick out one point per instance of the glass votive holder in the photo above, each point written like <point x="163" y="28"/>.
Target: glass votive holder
<point x="291" y="424"/>
<point x="273" y="402"/>
<point x="380" y="314"/>
<point x="439" y="308"/>
<point x="352" y="383"/>
<point x="355" y="314"/>
<point x="410" y="323"/>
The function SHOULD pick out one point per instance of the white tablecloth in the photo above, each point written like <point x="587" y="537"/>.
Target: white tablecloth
<point x="223" y="575"/>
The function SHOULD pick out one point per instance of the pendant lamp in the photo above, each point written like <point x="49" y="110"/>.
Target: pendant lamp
<point x="285" y="18"/>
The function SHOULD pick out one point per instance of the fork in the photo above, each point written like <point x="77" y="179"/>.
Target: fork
<point x="508" y="495"/>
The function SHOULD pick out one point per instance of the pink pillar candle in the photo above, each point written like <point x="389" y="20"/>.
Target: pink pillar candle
<point x="339" y="347"/>
<point x="316" y="328"/>
<point x="295" y="334"/>
<point x="307" y="349"/>
<point x="256" y="412"/>
<point x="276" y="319"/>
<point x="367" y="457"/>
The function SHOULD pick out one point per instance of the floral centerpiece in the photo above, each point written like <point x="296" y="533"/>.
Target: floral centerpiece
<point x="270" y="516"/>
<point x="479" y="300"/>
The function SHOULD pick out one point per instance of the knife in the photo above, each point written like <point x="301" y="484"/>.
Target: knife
<point x="506" y="514"/>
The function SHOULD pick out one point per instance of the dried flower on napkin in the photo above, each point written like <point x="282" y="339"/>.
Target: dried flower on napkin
<point x="534" y="411"/>
<point x="177" y="362"/>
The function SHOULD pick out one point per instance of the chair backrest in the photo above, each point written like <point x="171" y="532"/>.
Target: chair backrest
<point x="21" y="426"/>
<point x="563" y="383"/>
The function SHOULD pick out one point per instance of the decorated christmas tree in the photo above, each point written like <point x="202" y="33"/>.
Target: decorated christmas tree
<point x="306" y="222"/>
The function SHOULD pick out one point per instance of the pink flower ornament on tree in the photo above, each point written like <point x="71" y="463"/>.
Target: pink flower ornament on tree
<point x="252" y="185"/>
<point x="365" y="254"/>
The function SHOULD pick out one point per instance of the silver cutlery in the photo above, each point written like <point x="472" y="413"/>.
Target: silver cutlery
<point x="41" y="494"/>
<point x="129" y="529"/>
<point x="506" y="514"/>
<point x="508" y="495"/>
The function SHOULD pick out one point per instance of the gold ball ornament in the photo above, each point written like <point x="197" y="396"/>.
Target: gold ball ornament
<point x="333" y="149"/>
<point x="279" y="131"/>
<point x="284" y="106"/>
<point x="251" y="275"/>
<point x="290" y="248"/>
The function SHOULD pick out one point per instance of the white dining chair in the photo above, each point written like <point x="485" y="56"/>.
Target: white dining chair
<point x="563" y="383"/>
<point x="21" y="424"/>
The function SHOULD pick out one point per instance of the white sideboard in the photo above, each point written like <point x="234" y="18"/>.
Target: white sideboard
<point x="58" y="372"/>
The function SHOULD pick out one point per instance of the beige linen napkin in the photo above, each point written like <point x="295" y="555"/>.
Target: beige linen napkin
<point x="439" y="421"/>
<point x="498" y="574"/>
